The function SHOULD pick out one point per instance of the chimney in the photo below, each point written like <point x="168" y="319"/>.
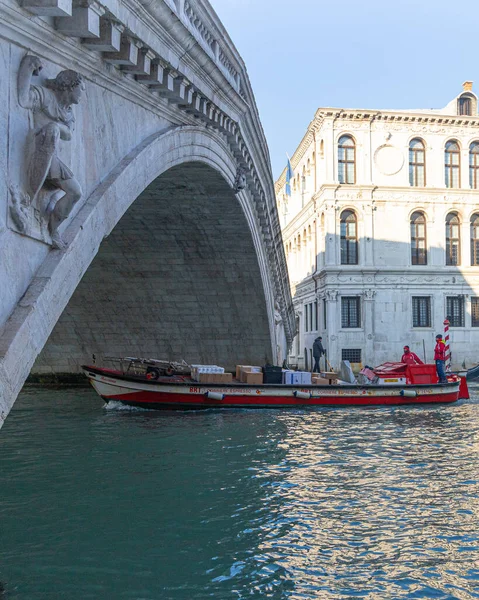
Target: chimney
<point x="467" y="86"/>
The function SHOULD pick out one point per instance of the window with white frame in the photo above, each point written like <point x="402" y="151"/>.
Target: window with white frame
<point x="346" y="160"/>
<point x="452" y="165"/>
<point x="417" y="163"/>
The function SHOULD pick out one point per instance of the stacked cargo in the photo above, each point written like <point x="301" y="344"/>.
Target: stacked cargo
<point x="210" y="374"/>
<point x="296" y="377"/>
<point x="249" y="374"/>
<point x="327" y="378"/>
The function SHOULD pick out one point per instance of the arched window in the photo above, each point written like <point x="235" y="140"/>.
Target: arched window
<point x="453" y="240"/>
<point x="346" y="160"/>
<point x="417" y="163"/>
<point x="474" y="165"/>
<point x="464" y="105"/>
<point x="418" y="239"/>
<point x="349" y="238"/>
<point x="475" y="240"/>
<point x="452" y="164"/>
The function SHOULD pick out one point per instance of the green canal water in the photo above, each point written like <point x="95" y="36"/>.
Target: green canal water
<point x="342" y="503"/>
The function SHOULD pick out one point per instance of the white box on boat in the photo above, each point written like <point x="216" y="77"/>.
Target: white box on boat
<point x="306" y="378"/>
<point x="297" y="378"/>
<point x="288" y="377"/>
<point x="197" y="369"/>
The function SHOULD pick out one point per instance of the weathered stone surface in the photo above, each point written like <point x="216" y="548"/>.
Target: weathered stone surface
<point x="49" y="8"/>
<point x="189" y="251"/>
<point x="176" y="278"/>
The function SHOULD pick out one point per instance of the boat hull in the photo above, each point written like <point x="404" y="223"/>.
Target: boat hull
<point x="178" y="394"/>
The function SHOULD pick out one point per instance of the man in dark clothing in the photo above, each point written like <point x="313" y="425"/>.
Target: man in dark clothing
<point x="318" y="351"/>
<point x="440" y="358"/>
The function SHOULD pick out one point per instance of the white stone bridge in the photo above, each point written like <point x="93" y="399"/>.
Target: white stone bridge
<point x="172" y="246"/>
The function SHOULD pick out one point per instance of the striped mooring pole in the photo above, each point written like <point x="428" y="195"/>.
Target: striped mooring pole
<point x="446" y="339"/>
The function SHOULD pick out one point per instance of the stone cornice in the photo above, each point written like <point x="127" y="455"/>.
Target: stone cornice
<point x="405" y="117"/>
<point x="300" y="151"/>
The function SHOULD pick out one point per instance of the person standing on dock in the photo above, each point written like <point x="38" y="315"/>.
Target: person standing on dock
<point x="318" y="351"/>
<point x="440" y="358"/>
<point x="410" y="358"/>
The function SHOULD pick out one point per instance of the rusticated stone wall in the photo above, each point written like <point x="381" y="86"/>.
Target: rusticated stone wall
<point x="177" y="279"/>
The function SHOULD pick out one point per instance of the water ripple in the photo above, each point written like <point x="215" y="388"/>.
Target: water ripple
<point x="330" y="504"/>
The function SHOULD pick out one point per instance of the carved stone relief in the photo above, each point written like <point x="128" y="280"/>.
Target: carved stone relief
<point x="50" y="189"/>
<point x="389" y="159"/>
<point x="331" y="295"/>
<point x="240" y="180"/>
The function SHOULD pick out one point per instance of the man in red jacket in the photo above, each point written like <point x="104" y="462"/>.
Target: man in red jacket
<point x="410" y="358"/>
<point x="440" y="358"/>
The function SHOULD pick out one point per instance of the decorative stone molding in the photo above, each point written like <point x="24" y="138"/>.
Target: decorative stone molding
<point x="49" y="8"/>
<point x="368" y="295"/>
<point x="110" y="37"/>
<point x="389" y="159"/>
<point x="331" y="295"/>
<point x="84" y="21"/>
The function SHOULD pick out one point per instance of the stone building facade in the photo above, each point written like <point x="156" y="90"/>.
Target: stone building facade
<point x="381" y="232"/>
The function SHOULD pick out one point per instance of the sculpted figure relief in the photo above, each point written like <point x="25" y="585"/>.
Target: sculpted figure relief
<point x="54" y="121"/>
<point x="240" y="180"/>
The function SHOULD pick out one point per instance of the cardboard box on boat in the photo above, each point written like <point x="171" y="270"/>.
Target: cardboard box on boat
<point x="329" y="375"/>
<point x="244" y="370"/>
<point x="238" y="370"/>
<point x="287" y="377"/>
<point x="320" y="381"/>
<point x="253" y="378"/>
<point x="215" y="377"/>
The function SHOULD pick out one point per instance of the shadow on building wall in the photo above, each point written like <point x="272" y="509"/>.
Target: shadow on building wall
<point x="367" y="312"/>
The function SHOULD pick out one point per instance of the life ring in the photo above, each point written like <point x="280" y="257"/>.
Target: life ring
<point x="169" y="371"/>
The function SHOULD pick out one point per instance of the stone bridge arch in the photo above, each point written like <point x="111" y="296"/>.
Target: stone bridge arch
<point x="177" y="274"/>
<point x="167" y="112"/>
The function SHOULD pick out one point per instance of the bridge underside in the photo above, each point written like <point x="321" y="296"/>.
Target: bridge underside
<point x="178" y="278"/>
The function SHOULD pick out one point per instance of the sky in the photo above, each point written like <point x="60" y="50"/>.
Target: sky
<point x="380" y="54"/>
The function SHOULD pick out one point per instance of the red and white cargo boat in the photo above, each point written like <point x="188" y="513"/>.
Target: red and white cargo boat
<point x="394" y="384"/>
